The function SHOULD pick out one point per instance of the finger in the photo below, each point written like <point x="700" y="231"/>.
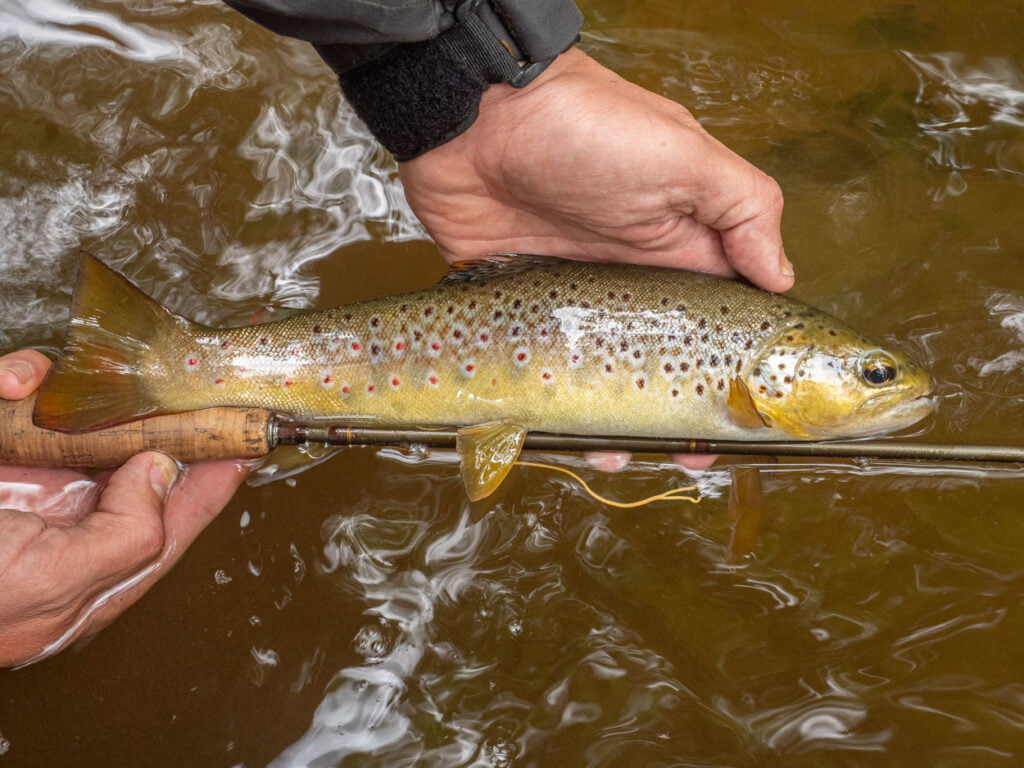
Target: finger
<point x="745" y="206"/>
<point x="21" y="372"/>
<point x="607" y="461"/>
<point x="125" y="532"/>
<point x="694" y="461"/>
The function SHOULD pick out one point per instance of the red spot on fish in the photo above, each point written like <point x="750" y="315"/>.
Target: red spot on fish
<point x="218" y="381"/>
<point x="242" y="369"/>
<point x="346" y="389"/>
<point x="494" y="382"/>
<point x="370" y="388"/>
<point x="435" y="346"/>
<point x="485" y="337"/>
<point x="328" y="379"/>
<point x="521" y="356"/>
<point x="546" y="375"/>
<point x="288" y="383"/>
<point x="433" y="380"/>
<point x="399" y="346"/>
<point x="470" y="368"/>
<point x="225" y="344"/>
<point x="356" y="346"/>
<point x="395" y="382"/>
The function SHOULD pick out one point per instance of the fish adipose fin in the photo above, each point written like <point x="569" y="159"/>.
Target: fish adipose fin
<point x="98" y="380"/>
<point x="742" y="409"/>
<point x="487" y="453"/>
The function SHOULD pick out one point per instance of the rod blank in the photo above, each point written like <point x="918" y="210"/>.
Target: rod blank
<point x="288" y="433"/>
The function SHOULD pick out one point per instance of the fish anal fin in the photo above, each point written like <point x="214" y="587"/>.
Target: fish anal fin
<point x="742" y="409"/>
<point x="487" y="452"/>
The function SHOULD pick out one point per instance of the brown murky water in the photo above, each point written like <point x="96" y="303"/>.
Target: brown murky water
<point x="361" y="615"/>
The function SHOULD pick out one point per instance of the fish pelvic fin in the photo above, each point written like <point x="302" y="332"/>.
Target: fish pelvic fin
<point x="487" y="453"/>
<point x="742" y="409"/>
<point x="100" y="378"/>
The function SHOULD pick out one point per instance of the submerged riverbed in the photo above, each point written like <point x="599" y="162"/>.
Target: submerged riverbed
<point x="364" y="613"/>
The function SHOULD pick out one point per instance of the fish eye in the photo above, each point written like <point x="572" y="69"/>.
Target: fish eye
<point x="877" y="370"/>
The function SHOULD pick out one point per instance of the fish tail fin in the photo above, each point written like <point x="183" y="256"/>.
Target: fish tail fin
<point x="99" y="379"/>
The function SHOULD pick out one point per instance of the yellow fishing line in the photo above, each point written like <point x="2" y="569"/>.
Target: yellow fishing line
<point x="666" y="496"/>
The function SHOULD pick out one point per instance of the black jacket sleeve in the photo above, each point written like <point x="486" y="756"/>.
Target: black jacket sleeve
<point x="414" y="70"/>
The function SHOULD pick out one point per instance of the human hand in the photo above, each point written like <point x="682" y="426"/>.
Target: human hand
<point x="583" y="164"/>
<point x="75" y="551"/>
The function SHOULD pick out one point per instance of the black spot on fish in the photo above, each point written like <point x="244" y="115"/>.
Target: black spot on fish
<point x="517" y="304"/>
<point x="757" y="371"/>
<point x="728" y="360"/>
<point x="778" y="394"/>
<point x="714" y="360"/>
<point x="762" y="389"/>
<point x="608" y="368"/>
<point x="637" y="354"/>
<point x="497" y="294"/>
<point x="724" y="310"/>
<point x="789" y="338"/>
<point x="832" y="333"/>
<point x="765" y="325"/>
<point x="680" y="307"/>
<point x="450" y="310"/>
<point x="684" y="367"/>
<point x="720" y="385"/>
<point x="428" y="311"/>
<point x="700" y="361"/>
<point x="626" y="297"/>
<point x="799" y="326"/>
<point x="664" y="302"/>
<point x="700" y="389"/>
<point x="702" y="323"/>
<point x="472" y="305"/>
<point x="535" y="308"/>
<point x="498" y="314"/>
<point x="687" y="340"/>
<point x="704" y="338"/>
<point x="675" y="393"/>
<point x="553" y="295"/>
<point x="748" y="344"/>
<point x="669" y="368"/>
<point x="782" y="366"/>
<point x="788" y="380"/>
<point x="640" y="383"/>
<point x="316" y="329"/>
<point x="572" y="286"/>
<point x="375" y="322"/>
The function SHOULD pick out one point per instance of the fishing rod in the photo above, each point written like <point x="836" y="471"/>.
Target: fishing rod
<point x="249" y="433"/>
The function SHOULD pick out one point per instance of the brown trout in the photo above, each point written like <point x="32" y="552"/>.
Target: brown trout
<point x="518" y="343"/>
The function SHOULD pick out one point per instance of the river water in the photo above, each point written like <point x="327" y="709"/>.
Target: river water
<point x="363" y="614"/>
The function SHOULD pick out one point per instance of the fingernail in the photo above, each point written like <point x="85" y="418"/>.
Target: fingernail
<point x="22" y="371"/>
<point x="162" y="474"/>
<point x="785" y="266"/>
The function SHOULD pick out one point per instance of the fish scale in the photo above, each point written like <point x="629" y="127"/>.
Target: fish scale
<point x="554" y="345"/>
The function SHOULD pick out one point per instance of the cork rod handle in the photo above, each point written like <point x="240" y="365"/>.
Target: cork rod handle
<point x="215" y="433"/>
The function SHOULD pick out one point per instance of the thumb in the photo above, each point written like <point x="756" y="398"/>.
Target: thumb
<point x="744" y="205"/>
<point x="126" y="530"/>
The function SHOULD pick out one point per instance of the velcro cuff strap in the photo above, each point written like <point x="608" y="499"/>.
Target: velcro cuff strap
<point x="420" y="95"/>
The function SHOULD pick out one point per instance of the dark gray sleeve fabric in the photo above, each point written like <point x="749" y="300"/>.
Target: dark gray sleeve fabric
<point x="350" y="22"/>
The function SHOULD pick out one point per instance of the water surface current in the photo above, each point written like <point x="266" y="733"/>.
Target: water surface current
<point x="363" y="613"/>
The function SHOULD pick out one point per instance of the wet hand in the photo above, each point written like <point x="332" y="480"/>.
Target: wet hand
<point x="75" y="551"/>
<point x="583" y="164"/>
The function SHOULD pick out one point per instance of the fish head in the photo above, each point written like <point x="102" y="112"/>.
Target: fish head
<point x="819" y="380"/>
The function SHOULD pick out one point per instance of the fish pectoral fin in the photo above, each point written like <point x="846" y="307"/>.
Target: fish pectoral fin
<point x="487" y="452"/>
<point x="742" y="409"/>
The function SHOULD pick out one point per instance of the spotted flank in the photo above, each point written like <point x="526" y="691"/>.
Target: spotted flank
<point x="548" y="344"/>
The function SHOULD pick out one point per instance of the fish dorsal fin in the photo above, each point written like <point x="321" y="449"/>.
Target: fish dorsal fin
<point x="492" y="266"/>
<point x="487" y="453"/>
<point x="742" y="409"/>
